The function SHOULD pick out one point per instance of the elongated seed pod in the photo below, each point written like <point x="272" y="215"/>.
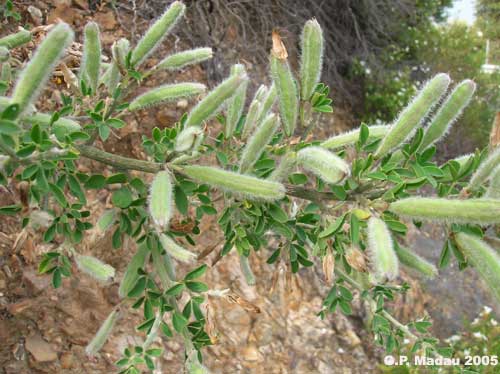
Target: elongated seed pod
<point x="287" y="93"/>
<point x="236" y="103"/>
<point x="15" y="40"/>
<point x="188" y="138"/>
<point x="211" y="104"/>
<point x="165" y="93"/>
<point x="493" y="191"/>
<point x="480" y="211"/>
<point x="250" y="187"/>
<point x="95" y="268"/>
<point x="261" y="92"/>
<point x="326" y="165"/>
<point x="485" y="170"/>
<point x="383" y="259"/>
<point x="4" y="54"/>
<point x="112" y="77"/>
<point x="415" y="262"/>
<point x="413" y="115"/>
<point x="161" y="199"/>
<point x="60" y="128"/>
<point x="41" y="65"/>
<point x="312" y="58"/>
<point x="247" y="270"/>
<point x="252" y="118"/>
<point x="267" y="102"/>
<point x="157" y="32"/>
<point x="131" y="275"/>
<point x="102" y="334"/>
<point x="448" y="113"/>
<point x="258" y="142"/>
<point x="485" y="259"/>
<point x="91" y="60"/>
<point x="351" y="137"/>
<point x="161" y="267"/>
<point x="287" y="164"/>
<point x="120" y="50"/>
<point x="175" y="250"/>
<point x="185" y="58"/>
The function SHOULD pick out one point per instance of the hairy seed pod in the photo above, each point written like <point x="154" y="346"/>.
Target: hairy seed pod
<point x="102" y="334"/>
<point x="120" y="50"/>
<point x="415" y="262"/>
<point x="41" y="65"/>
<point x="185" y="58"/>
<point x="91" y="60"/>
<point x="211" y="104"/>
<point x="258" y="142"/>
<point x="485" y="259"/>
<point x="157" y="32"/>
<point x="95" y="268"/>
<point x="261" y="92"/>
<point x="166" y="93"/>
<point x="286" y="166"/>
<point x="287" y="93"/>
<point x="383" y="259"/>
<point x="448" y="113"/>
<point x="413" y="115"/>
<point x="485" y="170"/>
<point x="4" y="54"/>
<point x="247" y="270"/>
<point x="267" y="102"/>
<point x="493" y="191"/>
<point x="60" y="128"/>
<point x="15" y="40"/>
<point x="162" y="267"/>
<point x="480" y="211"/>
<point x="351" y="137"/>
<point x="112" y="77"/>
<point x="175" y="250"/>
<point x="236" y="103"/>
<point x="161" y="199"/>
<point x="252" y="117"/>
<point x="326" y="165"/>
<point x="187" y="138"/>
<point x="250" y="187"/>
<point x="131" y="273"/>
<point x="312" y="58"/>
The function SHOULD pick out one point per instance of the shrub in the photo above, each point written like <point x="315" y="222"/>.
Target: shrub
<point x="296" y="200"/>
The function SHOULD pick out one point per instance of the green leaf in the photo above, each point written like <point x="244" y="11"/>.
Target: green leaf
<point x="277" y="213"/>
<point x="175" y="290"/>
<point x="333" y="228"/>
<point x="58" y="194"/>
<point x="56" y="278"/>
<point x="197" y="286"/>
<point x="95" y="181"/>
<point x="117" y="178"/>
<point x="179" y="321"/>
<point x="10" y="210"/>
<point x="122" y="198"/>
<point x="196" y="273"/>
<point x="139" y="287"/>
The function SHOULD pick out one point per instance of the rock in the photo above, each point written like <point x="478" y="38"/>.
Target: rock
<point x="40" y="349"/>
<point x="36" y="15"/>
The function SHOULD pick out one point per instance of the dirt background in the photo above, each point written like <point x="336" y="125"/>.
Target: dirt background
<point x="43" y="330"/>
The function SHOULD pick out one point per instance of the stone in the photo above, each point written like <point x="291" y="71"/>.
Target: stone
<point x="40" y="349"/>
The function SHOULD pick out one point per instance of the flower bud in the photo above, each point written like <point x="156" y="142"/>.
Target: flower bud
<point x="95" y="268"/>
<point x="91" y="60"/>
<point x="166" y="93"/>
<point x="249" y="187"/>
<point x="161" y="199"/>
<point x="480" y="211"/>
<point x="312" y="58"/>
<point x="187" y="138"/>
<point x="15" y="40"/>
<point x="156" y="33"/>
<point x="326" y="165"/>
<point x="383" y="259"/>
<point x="415" y="262"/>
<point x="102" y="334"/>
<point x="131" y="273"/>
<point x="351" y="137"/>
<point x="40" y="67"/>
<point x="413" y="115"/>
<point x="485" y="170"/>
<point x="185" y="58"/>
<point x="175" y="250"/>
<point x="236" y="103"/>
<point x="120" y="51"/>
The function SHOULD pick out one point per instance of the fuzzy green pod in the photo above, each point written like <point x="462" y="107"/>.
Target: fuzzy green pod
<point x="312" y="58"/>
<point x="41" y="65"/>
<point x="493" y="191"/>
<point x="485" y="259"/>
<point x="161" y="199"/>
<point x="381" y="252"/>
<point x="415" y="262"/>
<point x="236" y="103"/>
<point x="250" y="187"/>
<point x="120" y="50"/>
<point x="413" y="115"/>
<point x="287" y="93"/>
<point x="166" y="93"/>
<point x="485" y="170"/>
<point x="15" y="40"/>
<point x="157" y="32"/>
<point x="4" y="54"/>
<point x="187" y="138"/>
<point x="448" y="113"/>
<point x="185" y="58"/>
<point x="95" y="268"/>
<point x="131" y="275"/>
<point x="91" y="60"/>
<point x="286" y="166"/>
<point x="480" y="211"/>
<point x="323" y="163"/>
<point x="211" y="104"/>
<point x="175" y="250"/>
<point x="267" y="101"/>
<point x="163" y="267"/>
<point x="252" y="118"/>
<point x="351" y="137"/>
<point x="102" y="334"/>
<point x="247" y="270"/>
<point x="112" y="77"/>
<point x="258" y="142"/>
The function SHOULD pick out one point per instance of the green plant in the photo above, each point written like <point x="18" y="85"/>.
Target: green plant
<point x="332" y="201"/>
<point x="7" y="10"/>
